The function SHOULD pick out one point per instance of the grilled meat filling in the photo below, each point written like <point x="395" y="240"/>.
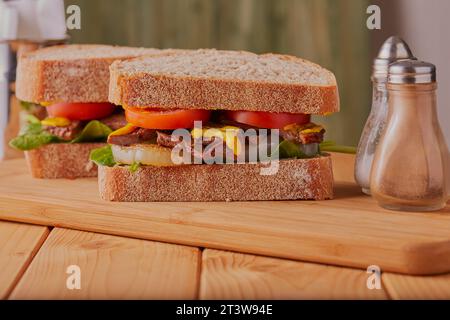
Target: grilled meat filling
<point x="303" y="134"/>
<point x="139" y="135"/>
<point x="66" y="133"/>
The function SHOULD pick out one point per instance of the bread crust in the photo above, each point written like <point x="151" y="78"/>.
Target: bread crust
<point x="142" y="88"/>
<point x="69" y="73"/>
<point x="295" y="179"/>
<point x="62" y="160"/>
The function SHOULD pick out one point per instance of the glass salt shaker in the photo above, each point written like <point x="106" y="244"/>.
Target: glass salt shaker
<point x="393" y="49"/>
<point x="410" y="165"/>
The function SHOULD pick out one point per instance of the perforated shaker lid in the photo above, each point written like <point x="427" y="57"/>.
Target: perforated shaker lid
<point x="412" y="71"/>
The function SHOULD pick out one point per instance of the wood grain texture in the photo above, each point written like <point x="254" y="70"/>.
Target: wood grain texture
<point x="111" y="268"/>
<point x="415" y="287"/>
<point x="18" y="245"/>
<point x="350" y="230"/>
<point x="228" y="275"/>
<point x="343" y="167"/>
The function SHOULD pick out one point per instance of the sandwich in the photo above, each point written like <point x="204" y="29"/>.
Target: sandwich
<point x="65" y="90"/>
<point x="210" y="125"/>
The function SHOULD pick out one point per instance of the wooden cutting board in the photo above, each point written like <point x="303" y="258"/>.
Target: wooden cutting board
<point x="350" y="230"/>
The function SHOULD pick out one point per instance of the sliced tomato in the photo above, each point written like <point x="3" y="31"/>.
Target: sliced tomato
<point x="268" y="120"/>
<point x="151" y="118"/>
<point x="80" y="111"/>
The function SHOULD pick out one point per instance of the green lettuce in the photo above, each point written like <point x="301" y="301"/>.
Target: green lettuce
<point x="287" y="149"/>
<point x="134" y="167"/>
<point x="331" y="146"/>
<point x="32" y="141"/>
<point x="28" y="106"/>
<point x="103" y="156"/>
<point x="33" y="135"/>
<point x="92" y="132"/>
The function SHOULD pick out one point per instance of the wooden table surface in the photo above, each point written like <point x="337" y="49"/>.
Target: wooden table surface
<point x="34" y="262"/>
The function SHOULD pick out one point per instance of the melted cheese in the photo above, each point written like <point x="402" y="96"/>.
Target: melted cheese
<point x="124" y="130"/>
<point x="315" y="129"/>
<point x="227" y="133"/>
<point x="46" y="103"/>
<point x="56" y="122"/>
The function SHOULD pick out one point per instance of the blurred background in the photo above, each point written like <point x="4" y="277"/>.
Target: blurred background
<point x="332" y="33"/>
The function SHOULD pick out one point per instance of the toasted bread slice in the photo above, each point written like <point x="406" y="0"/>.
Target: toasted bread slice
<point x="227" y="80"/>
<point x="69" y="73"/>
<point x="295" y="179"/>
<point x="62" y="160"/>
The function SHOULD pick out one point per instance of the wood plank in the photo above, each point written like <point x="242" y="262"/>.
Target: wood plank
<point x="111" y="268"/>
<point x="415" y="287"/>
<point x="350" y="230"/>
<point x="228" y="275"/>
<point x="18" y="245"/>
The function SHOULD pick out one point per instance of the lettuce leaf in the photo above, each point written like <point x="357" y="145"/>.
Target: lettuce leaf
<point x="92" y="132"/>
<point x="103" y="156"/>
<point x="32" y="141"/>
<point x="32" y="136"/>
<point x="287" y="149"/>
<point x="333" y="147"/>
<point x="28" y="106"/>
<point x="32" y="119"/>
<point x="134" y="167"/>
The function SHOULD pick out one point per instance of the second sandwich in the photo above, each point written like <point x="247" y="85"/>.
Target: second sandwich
<point x="65" y="91"/>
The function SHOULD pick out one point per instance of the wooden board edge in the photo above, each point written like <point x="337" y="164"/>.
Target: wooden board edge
<point x="427" y="258"/>
<point x="410" y="265"/>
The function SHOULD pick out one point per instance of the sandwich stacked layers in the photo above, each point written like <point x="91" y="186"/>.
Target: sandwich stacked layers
<point x="167" y="95"/>
<point x="67" y="89"/>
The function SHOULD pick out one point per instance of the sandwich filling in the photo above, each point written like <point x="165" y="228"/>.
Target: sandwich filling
<point x="153" y="136"/>
<point x="67" y="122"/>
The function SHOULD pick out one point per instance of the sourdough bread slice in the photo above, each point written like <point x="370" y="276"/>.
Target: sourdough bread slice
<point x="62" y="160"/>
<point x="69" y="73"/>
<point x="295" y="179"/>
<point x="229" y="80"/>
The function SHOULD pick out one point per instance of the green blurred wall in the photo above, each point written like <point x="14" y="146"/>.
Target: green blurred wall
<point x="329" y="32"/>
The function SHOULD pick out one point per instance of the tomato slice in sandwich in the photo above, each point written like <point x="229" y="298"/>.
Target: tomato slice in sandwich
<point x="80" y="111"/>
<point x="268" y="120"/>
<point x="152" y="118"/>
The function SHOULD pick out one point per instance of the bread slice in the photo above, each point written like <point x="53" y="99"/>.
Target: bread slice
<point x="229" y="80"/>
<point x="69" y="73"/>
<point x="295" y="179"/>
<point x="62" y="160"/>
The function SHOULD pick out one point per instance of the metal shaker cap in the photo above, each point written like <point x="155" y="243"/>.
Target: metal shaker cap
<point x="412" y="71"/>
<point x="393" y="49"/>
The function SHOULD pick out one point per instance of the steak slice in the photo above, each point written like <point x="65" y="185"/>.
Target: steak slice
<point x="139" y="135"/>
<point x="165" y="140"/>
<point x="299" y="133"/>
<point x="66" y="133"/>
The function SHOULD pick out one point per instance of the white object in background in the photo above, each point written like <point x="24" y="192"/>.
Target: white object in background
<point x="35" y="20"/>
<point x="4" y="94"/>
<point x="53" y="24"/>
<point x="9" y="22"/>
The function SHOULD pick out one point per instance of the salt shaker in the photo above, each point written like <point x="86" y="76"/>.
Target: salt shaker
<point x="393" y="49"/>
<point x="410" y="170"/>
